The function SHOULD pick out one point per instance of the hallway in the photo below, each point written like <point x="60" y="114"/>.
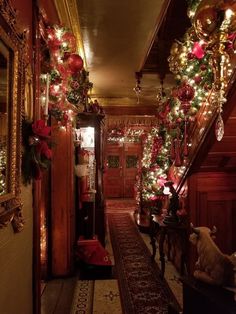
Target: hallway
<point x="115" y="100"/>
<point x="101" y="294"/>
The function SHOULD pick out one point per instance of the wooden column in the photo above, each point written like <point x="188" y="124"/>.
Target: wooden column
<point x="62" y="200"/>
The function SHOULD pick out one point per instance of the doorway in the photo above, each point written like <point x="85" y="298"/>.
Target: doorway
<point x="121" y="166"/>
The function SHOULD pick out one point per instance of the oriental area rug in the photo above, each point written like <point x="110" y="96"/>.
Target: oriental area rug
<point x="141" y="288"/>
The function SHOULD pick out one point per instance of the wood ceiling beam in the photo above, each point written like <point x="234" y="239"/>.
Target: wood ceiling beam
<point x="168" y="29"/>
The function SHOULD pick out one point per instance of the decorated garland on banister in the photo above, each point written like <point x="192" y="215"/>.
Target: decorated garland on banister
<point x="201" y="64"/>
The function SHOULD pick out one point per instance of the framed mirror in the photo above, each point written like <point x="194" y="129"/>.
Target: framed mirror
<point x="11" y="105"/>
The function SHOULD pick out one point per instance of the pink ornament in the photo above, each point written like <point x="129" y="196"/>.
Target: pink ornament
<point x="198" y="51"/>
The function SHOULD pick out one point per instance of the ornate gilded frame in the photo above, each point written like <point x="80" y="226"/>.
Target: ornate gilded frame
<point x="14" y="39"/>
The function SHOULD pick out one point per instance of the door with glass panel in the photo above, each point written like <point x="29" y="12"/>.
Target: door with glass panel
<point x="121" y="165"/>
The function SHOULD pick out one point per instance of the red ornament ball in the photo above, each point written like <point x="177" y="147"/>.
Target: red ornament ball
<point x="185" y="93"/>
<point x="190" y="56"/>
<point x="197" y="79"/>
<point x="75" y="63"/>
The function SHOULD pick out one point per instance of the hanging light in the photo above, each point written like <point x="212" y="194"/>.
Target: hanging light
<point x="137" y="89"/>
<point x="161" y="92"/>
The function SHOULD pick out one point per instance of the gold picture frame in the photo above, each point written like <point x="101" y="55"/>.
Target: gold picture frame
<point x="12" y="43"/>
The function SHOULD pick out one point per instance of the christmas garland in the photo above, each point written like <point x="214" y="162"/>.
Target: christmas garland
<point x="68" y="80"/>
<point x="194" y="60"/>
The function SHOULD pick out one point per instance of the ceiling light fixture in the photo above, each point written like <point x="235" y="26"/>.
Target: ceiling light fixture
<point x="137" y="89"/>
<point x="161" y="92"/>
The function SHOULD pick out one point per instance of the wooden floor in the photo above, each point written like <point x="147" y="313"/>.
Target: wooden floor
<point x="57" y="296"/>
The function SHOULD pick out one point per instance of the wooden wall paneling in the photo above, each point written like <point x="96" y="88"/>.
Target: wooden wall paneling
<point x="201" y="209"/>
<point x="62" y="202"/>
<point x="192" y="198"/>
<point x="124" y="111"/>
<point x="219" y="214"/>
<point x="193" y="218"/>
<point x="234" y="225"/>
<point x="37" y="193"/>
<point x="212" y="200"/>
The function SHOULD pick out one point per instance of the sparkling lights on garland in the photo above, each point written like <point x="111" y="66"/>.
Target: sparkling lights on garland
<point x="154" y="165"/>
<point x="131" y="135"/>
<point x="69" y="83"/>
<point x="201" y="63"/>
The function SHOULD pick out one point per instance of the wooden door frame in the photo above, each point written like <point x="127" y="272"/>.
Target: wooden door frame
<point x="37" y="184"/>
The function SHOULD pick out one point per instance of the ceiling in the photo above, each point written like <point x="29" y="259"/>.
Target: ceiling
<point x="128" y="36"/>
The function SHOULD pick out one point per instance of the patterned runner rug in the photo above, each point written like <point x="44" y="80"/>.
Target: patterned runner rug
<point x="120" y="205"/>
<point x="141" y="289"/>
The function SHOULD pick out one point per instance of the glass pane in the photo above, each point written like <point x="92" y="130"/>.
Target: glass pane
<point x="113" y="161"/>
<point x="131" y="161"/>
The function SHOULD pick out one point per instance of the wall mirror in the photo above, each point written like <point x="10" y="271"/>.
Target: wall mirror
<point x="11" y="103"/>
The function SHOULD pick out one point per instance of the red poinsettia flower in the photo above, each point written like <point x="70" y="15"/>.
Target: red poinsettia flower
<point x="39" y="128"/>
<point x="43" y="149"/>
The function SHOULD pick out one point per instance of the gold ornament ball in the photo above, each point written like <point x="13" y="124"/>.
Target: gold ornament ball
<point x="206" y="18"/>
<point x="192" y="111"/>
<point x="174" y="49"/>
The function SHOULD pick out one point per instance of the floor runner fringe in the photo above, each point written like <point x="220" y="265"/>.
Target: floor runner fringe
<point x="96" y="297"/>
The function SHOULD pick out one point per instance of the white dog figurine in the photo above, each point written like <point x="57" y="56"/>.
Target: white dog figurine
<point x="212" y="266"/>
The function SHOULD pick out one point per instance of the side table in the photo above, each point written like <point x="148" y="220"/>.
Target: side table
<point x="159" y="231"/>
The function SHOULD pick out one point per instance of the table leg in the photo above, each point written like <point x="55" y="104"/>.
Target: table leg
<point x="153" y="232"/>
<point x="184" y="236"/>
<point x="161" y="251"/>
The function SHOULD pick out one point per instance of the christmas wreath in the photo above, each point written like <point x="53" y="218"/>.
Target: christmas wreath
<point x="37" y="153"/>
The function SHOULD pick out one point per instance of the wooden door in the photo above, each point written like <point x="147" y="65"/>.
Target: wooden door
<point x="121" y="165"/>
<point x="131" y="160"/>
<point x="113" y="170"/>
